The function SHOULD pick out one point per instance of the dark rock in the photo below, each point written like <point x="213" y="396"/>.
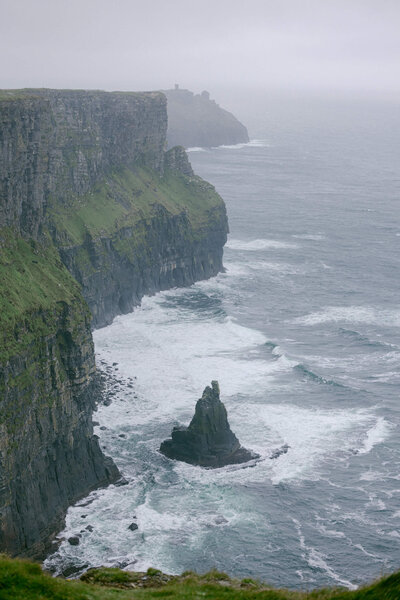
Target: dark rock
<point x="86" y="502"/>
<point x="208" y="441"/>
<point x="89" y="528"/>
<point x="74" y="569"/>
<point x="74" y="540"/>
<point x="133" y="526"/>
<point x="122" y="435"/>
<point x="176" y="159"/>
<point x="220" y="520"/>
<point x="121" y="481"/>
<point x="279" y="451"/>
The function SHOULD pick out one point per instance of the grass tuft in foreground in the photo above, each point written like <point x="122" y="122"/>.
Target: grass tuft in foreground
<point x="23" y="580"/>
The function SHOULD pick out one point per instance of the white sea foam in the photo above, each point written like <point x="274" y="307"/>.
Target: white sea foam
<point x="240" y="146"/>
<point x="375" y="435"/>
<point x="316" y="237"/>
<point x="317" y="559"/>
<point x="250" y="144"/>
<point x="258" y="244"/>
<point x="352" y="314"/>
<point x="376" y="503"/>
<point x="372" y="476"/>
<point x="174" y="351"/>
<point x="196" y="149"/>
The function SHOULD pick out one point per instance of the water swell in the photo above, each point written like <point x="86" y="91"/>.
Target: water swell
<point x="259" y="244"/>
<point x="351" y="314"/>
<point x="303" y="371"/>
<point x="363" y="339"/>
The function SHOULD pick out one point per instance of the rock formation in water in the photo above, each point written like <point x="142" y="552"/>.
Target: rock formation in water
<point x="196" y="120"/>
<point x="208" y="441"/>
<point x="93" y="215"/>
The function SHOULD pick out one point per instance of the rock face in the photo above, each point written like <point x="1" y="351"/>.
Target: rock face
<point x="56" y="144"/>
<point x="208" y="441"/>
<point x="49" y="456"/>
<point x="93" y="212"/>
<point x="195" y="120"/>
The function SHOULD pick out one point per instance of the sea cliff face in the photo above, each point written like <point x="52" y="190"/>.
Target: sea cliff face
<point x="93" y="215"/>
<point x="57" y="144"/>
<point x="163" y="232"/>
<point x="197" y="120"/>
<point x="49" y="456"/>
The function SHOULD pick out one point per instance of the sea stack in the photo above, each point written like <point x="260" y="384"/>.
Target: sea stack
<point x="208" y="441"/>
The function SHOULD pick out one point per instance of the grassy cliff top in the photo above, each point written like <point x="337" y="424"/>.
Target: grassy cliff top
<point x="23" y="580"/>
<point x="126" y="197"/>
<point x="35" y="92"/>
<point x="12" y="95"/>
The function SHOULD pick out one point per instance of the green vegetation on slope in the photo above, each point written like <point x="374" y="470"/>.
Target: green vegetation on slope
<point x="34" y="287"/>
<point x="22" y="580"/>
<point x="126" y="197"/>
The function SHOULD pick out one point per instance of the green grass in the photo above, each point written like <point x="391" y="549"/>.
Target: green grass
<point x="34" y="287"/>
<point x="16" y="95"/>
<point x="23" y="580"/>
<point x="126" y="198"/>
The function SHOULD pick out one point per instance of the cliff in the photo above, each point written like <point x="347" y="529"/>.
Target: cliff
<point x="93" y="214"/>
<point x="196" y="120"/>
<point x="48" y="388"/>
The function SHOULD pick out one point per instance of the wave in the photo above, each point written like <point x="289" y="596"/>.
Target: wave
<point x="316" y="559"/>
<point x="375" y="435"/>
<point x="250" y="144"/>
<point x="258" y="244"/>
<point x="239" y="146"/>
<point x="302" y="369"/>
<point x="196" y="149"/>
<point x="310" y="236"/>
<point x="363" y="339"/>
<point x="352" y="314"/>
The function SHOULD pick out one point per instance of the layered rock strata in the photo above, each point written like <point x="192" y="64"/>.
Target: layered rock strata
<point x="93" y="213"/>
<point x="49" y="456"/>
<point x="208" y="441"/>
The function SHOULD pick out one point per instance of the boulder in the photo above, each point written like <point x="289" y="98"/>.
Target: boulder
<point x="208" y="441"/>
<point x="74" y="540"/>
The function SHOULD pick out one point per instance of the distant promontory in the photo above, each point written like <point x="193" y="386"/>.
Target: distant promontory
<point x="196" y="120"/>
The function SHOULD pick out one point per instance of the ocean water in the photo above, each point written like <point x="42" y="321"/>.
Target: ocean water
<point x="302" y="332"/>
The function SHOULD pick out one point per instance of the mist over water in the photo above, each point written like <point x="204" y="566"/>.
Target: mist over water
<point x="303" y="334"/>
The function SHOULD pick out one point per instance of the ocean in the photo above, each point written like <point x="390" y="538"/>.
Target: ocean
<point x="302" y="332"/>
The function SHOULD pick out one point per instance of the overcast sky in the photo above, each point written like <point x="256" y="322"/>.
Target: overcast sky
<point x="203" y="44"/>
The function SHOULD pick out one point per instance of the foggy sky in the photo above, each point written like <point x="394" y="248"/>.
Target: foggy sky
<point x="205" y="44"/>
